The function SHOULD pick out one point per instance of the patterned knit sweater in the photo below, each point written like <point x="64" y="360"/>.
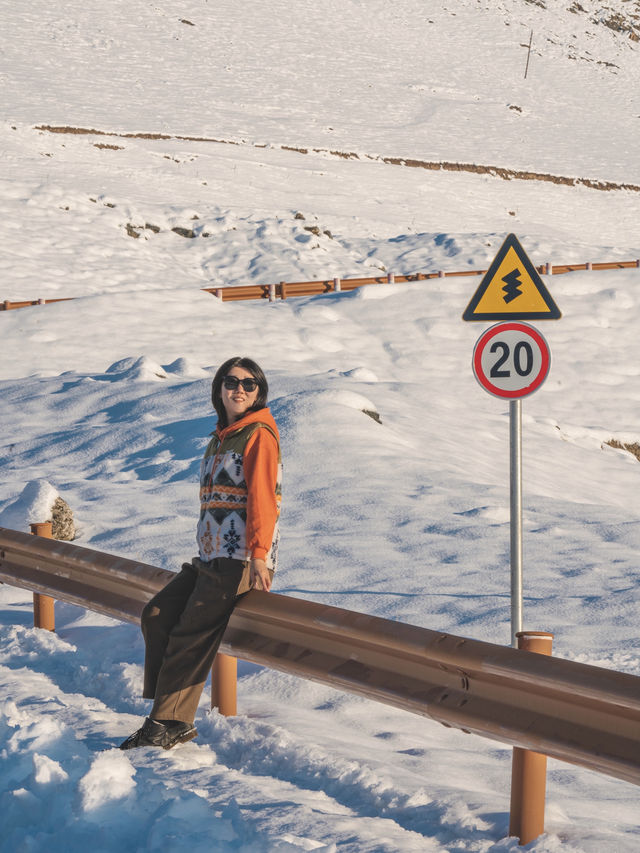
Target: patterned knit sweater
<point x="240" y="489"/>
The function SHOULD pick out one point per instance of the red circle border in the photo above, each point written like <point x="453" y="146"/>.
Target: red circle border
<point x="484" y="339"/>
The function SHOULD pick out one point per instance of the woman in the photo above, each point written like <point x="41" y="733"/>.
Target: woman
<point x="237" y="537"/>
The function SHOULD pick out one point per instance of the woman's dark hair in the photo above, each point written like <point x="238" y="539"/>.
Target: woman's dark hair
<point x="216" y="386"/>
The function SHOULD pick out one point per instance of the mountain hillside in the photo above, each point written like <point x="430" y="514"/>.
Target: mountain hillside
<point x="153" y="149"/>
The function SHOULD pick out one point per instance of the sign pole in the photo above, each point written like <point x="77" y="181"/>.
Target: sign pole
<point x="511" y="360"/>
<point x="515" y="453"/>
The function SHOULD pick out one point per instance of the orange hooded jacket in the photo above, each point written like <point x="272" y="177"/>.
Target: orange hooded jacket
<point x="240" y="480"/>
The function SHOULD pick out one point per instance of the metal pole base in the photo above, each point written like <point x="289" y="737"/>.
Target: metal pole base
<point x="43" y="605"/>
<point x="224" y="685"/>
<point x="529" y="769"/>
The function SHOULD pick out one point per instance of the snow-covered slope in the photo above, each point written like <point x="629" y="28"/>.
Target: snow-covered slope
<point x="105" y="398"/>
<point x="373" y="79"/>
<point x="436" y="81"/>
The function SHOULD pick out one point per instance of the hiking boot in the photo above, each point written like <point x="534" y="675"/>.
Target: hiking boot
<point x="164" y="733"/>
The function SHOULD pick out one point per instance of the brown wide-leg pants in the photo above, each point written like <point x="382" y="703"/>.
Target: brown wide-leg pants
<point x="182" y="627"/>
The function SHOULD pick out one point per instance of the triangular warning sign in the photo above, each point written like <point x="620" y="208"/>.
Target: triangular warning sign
<point x="511" y="289"/>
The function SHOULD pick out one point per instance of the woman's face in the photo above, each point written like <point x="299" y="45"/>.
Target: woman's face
<point x="237" y="401"/>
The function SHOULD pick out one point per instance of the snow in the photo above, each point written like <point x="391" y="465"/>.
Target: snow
<point x="396" y="498"/>
<point x="34" y="505"/>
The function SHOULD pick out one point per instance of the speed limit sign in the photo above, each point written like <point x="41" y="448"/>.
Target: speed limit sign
<point x="511" y="360"/>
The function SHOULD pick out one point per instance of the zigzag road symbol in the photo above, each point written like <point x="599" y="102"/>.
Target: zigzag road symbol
<point x="512" y="286"/>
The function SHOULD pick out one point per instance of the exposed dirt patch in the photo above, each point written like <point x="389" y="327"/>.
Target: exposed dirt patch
<point x="189" y="233"/>
<point x="442" y="165"/>
<point x="373" y="414"/>
<point x="133" y="230"/>
<point x="633" y="448"/>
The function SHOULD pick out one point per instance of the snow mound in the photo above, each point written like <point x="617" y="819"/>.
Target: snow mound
<point x="361" y="374"/>
<point x="137" y="369"/>
<point x="35" y="504"/>
<point x="109" y="778"/>
<point x="185" y="367"/>
<point x="46" y="770"/>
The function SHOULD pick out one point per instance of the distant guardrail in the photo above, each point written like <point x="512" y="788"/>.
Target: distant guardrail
<point x="290" y="289"/>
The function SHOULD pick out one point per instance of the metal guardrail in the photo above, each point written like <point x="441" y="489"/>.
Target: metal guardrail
<point x="6" y="305"/>
<point x="289" y="289"/>
<point x="574" y="712"/>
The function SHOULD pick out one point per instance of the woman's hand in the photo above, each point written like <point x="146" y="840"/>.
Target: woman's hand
<point x="259" y="574"/>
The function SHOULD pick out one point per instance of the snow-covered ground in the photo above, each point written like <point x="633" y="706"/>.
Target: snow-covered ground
<point x="105" y="398"/>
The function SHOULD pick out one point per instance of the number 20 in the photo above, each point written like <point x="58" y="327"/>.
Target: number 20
<point x="522" y="359"/>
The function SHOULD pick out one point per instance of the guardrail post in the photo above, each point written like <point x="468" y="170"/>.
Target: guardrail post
<point x="224" y="685"/>
<point x="337" y="285"/>
<point x="440" y="273"/>
<point x="589" y="265"/>
<point x="272" y="293"/>
<point x="548" y="269"/>
<point x="43" y="605"/>
<point x="529" y="769"/>
<point x="391" y="279"/>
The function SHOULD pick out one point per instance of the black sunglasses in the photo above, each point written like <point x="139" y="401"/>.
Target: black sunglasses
<point x="232" y="382"/>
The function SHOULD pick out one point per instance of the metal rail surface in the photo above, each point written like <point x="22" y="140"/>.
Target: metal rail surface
<point x="286" y="290"/>
<point x="582" y="714"/>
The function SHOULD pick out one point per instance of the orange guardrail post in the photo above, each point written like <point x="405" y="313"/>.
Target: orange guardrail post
<point x="43" y="605"/>
<point x="529" y="769"/>
<point x="224" y="685"/>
